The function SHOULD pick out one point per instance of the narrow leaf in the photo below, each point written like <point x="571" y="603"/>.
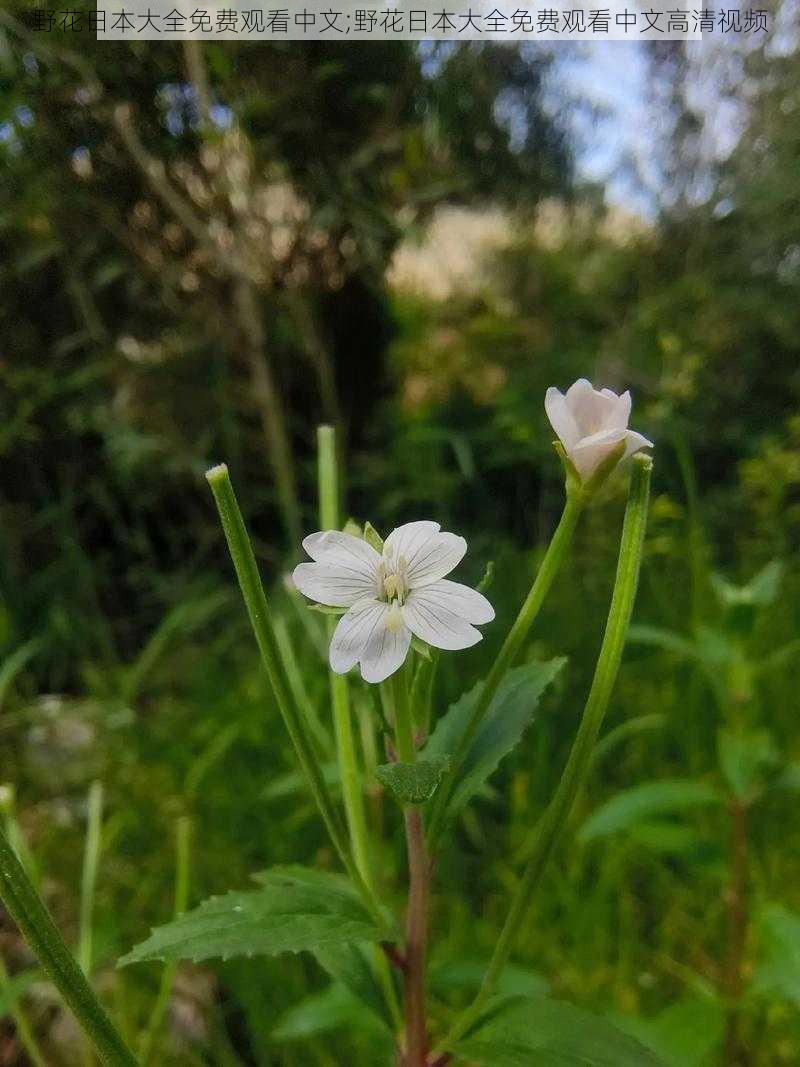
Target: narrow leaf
<point x="508" y="715"/>
<point x="550" y="1033"/>
<point x="639" y="804"/>
<point x="349" y="966"/>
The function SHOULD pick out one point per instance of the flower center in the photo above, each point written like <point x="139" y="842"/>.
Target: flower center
<point x="392" y="580"/>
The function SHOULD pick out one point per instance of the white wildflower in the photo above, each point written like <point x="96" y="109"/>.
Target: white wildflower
<point x="591" y="423"/>
<point x="391" y="595"/>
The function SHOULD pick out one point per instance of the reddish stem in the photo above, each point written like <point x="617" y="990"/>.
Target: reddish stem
<point x="416" y="940"/>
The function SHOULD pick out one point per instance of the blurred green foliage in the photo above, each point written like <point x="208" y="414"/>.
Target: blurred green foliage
<point x="130" y="362"/>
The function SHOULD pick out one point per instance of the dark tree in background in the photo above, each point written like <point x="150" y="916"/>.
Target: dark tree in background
<point x="193" y="249"/>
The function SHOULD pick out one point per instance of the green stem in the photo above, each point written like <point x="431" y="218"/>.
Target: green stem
<point x="29" y="913"/>
<point x="349" y="770"/>
<point x="553" y="823"/>
<point x="550" y="565"/>
<point x="340" y="695"/>
<point x="296" y="724"/>
<point x="403" y="717"/>
<point x="91" y="859"/>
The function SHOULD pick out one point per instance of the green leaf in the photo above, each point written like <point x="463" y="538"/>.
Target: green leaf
<point x="778" y="970"/>
<point x="503" y="725"/>
<point x="467" y="973"/>
<point x="551" y="1033"/>
<point x="686" y="1034"/>
<point x="422" y="648"/>
<point x="743" y="758"/>
<point x="413" y="783"/>
<point x="321" y="1013"/>
<point x="665" y="837"/>
<point x="296" y="909"/>
<point x="349" y="966"/>
<point x="639" y="804"/>
<point x="326" y="609"/>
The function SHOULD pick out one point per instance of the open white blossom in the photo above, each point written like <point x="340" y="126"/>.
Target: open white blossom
<point x="590" y="423"/>
<point x="391" y="595"/>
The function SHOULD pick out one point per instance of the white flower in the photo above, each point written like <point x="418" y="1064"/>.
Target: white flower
<point x="591" y="423"/>
<point x="391" y="595"/>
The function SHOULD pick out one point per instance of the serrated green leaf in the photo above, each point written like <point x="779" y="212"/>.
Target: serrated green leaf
<point x="778" y="970"/>
<point x="638" y="805"/>
<point x="296" y="909"/>
<point x="509" y="713"/>
<point x="551" y="1033"/>
<point x="413" y="783"/>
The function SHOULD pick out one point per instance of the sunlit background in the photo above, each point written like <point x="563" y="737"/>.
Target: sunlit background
<point x="206" y="252"/>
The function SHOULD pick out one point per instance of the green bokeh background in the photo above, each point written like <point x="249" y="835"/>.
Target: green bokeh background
<point x="205" y="254"/>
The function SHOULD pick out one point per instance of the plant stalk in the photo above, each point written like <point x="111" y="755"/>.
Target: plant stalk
<point x="550" y="565"/>
<point x="255" y="600"/>
<point x="340" y="696"/>
<point x="28" y="911"/>
<point x="349" y="771"/>
<point x="553" y="824"/>
<point x="416" y="939"/>
<point x="419" y="870"/>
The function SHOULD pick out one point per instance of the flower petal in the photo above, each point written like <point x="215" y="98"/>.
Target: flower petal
<point x="634" y="442"/>
<point x="333" y="585"/>
<point x="468" y="604"/>
<point x="335" y="547"/>
<point x="435" y="558"/>
<point x="561" y="418"/>
<point x="590" y="452"/>
<point x="428" y="614"/>
<point x="621" y="413"/>
<point x="354" y="631"/>
<point x="406" y="540"/>
<point x="592" y="410"/>
<point x="385" y="651"/>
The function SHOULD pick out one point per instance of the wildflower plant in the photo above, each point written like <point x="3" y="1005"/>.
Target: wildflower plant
<point x="392" y="611"/>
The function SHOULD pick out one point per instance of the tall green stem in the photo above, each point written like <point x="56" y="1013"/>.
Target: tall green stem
<point x="255" y="600"/>
<point x="349" y="771"/>
<point x="553" y="823"/>
<point x="26" y="908"/>
<point x="340" y="695"/>
<point x="550" y="565"/>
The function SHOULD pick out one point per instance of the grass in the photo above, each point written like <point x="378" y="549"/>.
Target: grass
<point x="635" y="924"/>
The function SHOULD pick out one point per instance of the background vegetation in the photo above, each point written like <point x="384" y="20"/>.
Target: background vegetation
<point x="205" y="254"/>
